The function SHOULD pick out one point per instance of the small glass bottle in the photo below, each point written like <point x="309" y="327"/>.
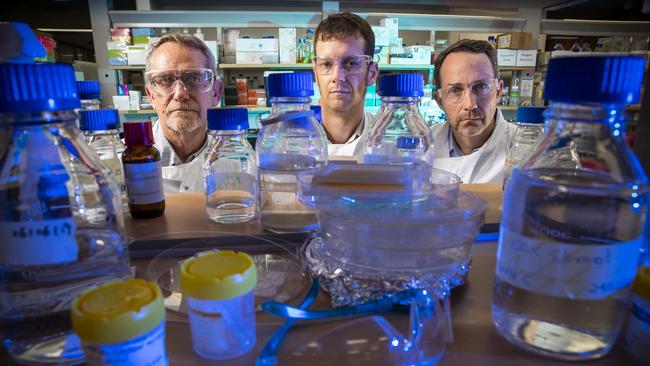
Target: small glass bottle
<point x="100" y="127"/>
<point x="142" y="171"/>
<point x="89" y="93"/>
<point x="218" y="287"/>
<point x="530" y="129"/>
<point x="121" y="323"/>
<point x="290" y="141"/>
<point x="398" y="134"/>
<point x="230" y="169"/>
<point x="570" y="236"/>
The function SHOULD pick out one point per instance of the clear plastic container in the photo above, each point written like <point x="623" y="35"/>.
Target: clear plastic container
<point x="60" y="214"/>
<point x="219" y="288"/>
<point x="89" y="94"/>
<point x="398" y="134"/>
<point x="122" y="323"/>
<point x="570" y="236"/>
<point x="230" y="169"/>
<point x="384" y="230"/>
<point x="530" y="129"/>
<point x="636" y="339"/>
<point x="100" y="127"/>
<point x="290" y="141"/>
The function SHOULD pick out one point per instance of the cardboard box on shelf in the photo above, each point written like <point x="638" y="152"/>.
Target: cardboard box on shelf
<point x="214" y="48"/>
<point x="136" y="54"/>
<point x="134" y="100"/>
<point x="287" y="45"/>
<point x="117" y="53"/>
<point x="382" y="38"/>
<point x="256" y="45"/>
<point x="261" y="57"/>
<point x="506" y="57"/>
<point x="526" y="58"/>
<point x="121" y="102"/>
<point x="142" y="35"/>
<point x="396" y="41"/>
<point x="421" y="54"/>
<point x="392" y="24"/>
<point x="383" y="56"/>
<point x="515" y="40"/>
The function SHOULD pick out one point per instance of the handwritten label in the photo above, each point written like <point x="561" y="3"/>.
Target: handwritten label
<point x="144" y="183"/>
<point x="38" y="242"/>
<point x="586" y="272"/>
<point x="146" y="350"/>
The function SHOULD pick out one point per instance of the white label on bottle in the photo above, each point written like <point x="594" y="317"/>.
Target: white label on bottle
<point x="146" y="350"/>
<point x="586" y="272"/>
<point x="38" y="242"/>
<point x="144" y="183"/>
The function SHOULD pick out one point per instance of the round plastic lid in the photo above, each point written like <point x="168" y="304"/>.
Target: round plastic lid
<point x="642" y="283"/>
<point x="227" y="119"/>
<point x="218" y="275"/>
<point x="118" y="311"/>
<point x="296" y="84"/>
<point x="401" y="85"/>
<point x="89" y="89"/>
<point x="98" y="119"/>
<point x="530" y="114"/>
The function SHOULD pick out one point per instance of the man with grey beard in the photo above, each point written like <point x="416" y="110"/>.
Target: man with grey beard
<point x="182" y="85"/>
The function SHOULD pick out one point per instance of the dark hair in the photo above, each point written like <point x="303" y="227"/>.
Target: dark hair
<point x="466" y="45"/>
<point x="343" y="25"/>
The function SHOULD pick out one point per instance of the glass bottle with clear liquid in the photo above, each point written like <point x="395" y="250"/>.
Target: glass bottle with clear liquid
<point x="230" y="169"/>
<point x="60" y="215"/>
<point x="530" y="129"/>
<point x="89" y="93"/>
<point x="290" y="141"/>
<point x="100" y="127"/>
<point x="398" y="134"/>
<point x="571" y="233"/>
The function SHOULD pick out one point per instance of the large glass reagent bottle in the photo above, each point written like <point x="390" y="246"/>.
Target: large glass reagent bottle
<point x="571" y="227"/>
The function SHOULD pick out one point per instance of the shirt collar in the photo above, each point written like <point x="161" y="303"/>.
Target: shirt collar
<point x="455" y="150"/>
<point x="168" y="156"/>
<point x="357" y="133"/>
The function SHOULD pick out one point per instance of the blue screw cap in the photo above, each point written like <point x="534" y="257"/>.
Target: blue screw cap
<point x="401" y="85"/>
<point x="227" y="119"/>
<point x="89" y="89"/>
<point x="530" y="114"/>
<point x="297" y="84"/>
<point x="594" y="79"/>
<point x="98" y="119"/>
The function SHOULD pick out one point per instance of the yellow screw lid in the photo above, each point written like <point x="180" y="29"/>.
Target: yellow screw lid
<point x="218" y="275"/>
<point x="642" y="282"/>
<point x="117" y="311"/>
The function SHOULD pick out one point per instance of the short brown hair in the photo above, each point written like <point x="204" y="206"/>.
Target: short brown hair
<point x="466" y="45"/>
<point x="186" y="40"/>
<point x="343" y="25"/>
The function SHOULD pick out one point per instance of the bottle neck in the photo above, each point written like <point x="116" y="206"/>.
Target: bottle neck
<point x="68" y="117"/>
<point x="563" y="115"/>
<point x="228" y="133"/>
<point x="400" y="102"/>
<point x="281" y="105"/>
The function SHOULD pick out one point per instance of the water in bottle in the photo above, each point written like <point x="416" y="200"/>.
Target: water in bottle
<point x="398" y="134"/>
<point x="530" y="129"/>
<point x="230" y="169"/>
<point x="100" y="127"/>
<point x="570" y="235"/>
<point x="290" y="141"/>
<point x="52" y="249"/>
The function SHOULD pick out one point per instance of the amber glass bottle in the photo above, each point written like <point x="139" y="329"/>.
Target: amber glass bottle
<point x="142" y="171"/>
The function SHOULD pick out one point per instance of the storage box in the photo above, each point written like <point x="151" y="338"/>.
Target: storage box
<point x="134" y="100"/>
<point x="117" y="53"/>
<point x="383" y="56"/>
<point x="396" y="41"/>
<point x="257" y="57"/>
<point x="392" y="24"/>
<point x="142" y="35"/>
<point x="121" y="102"/>
<point x="506" y="57"/>
<point x="214" y="49"/>
<point x="382" y="38"/>
<point x="421" y="54"/>
<point x="256" y="45"/>
<point x="526" y="58"/>
<point x="515" y="40"/>
<point x="287" y="45"/>
<point x="135" y="54"/>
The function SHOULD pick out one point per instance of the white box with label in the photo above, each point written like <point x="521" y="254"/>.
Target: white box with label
<point x="257" y="57"/>
<point x="506" y="57"/>
<point x="526" y="58"/>
<point x="256" y="45"/>
<point x="135" y="55"/>
<point x="287" y="45"/>
<point x="392" y="24"/>
<point x="382" y="38"/>
<point x="214" y="48"/>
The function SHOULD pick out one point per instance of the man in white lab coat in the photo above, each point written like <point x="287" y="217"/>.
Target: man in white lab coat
<point x="344" y="47"/>
<point x="474" y="141"/>
<point x="182" y="85"/>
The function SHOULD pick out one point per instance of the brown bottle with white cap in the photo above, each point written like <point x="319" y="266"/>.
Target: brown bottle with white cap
<point x="142" y="171"/>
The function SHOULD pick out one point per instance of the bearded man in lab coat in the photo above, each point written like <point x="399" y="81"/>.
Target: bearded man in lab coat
<point x="474" y="141"/>
<point x="182" y="85"/>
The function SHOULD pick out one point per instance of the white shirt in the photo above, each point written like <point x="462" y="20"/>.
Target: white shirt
<point x="483" y="165"/>
<point x="179" y="176"/>
<point x="341" y="151"/>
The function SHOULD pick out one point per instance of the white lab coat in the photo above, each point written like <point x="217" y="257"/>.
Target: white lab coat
<point x="180" y="177"/>
<point x="486" y="164"/>
<point x="346" y="151"/>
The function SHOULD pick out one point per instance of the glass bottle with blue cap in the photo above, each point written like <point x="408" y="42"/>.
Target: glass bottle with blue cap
<point x="530" y="129"/>
<point x="230" y="169"/>
<point x="570" y="236"/>
<point x="100" y="127"/>
<point x="59" y="236"/>
<point x="89" y="93"/>
<point x="398" y="134"/>
<point x="290" y="141"/>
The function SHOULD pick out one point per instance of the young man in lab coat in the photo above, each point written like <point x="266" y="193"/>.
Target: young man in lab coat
<point x="181" y="84"/>
<point x="474" y="141"/>
<point x="344" y="47"/>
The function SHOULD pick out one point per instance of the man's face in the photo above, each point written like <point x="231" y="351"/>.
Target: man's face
<point x="462" y="72"/>
<point x="183" y="110"/>
<point x="340" y="91"/>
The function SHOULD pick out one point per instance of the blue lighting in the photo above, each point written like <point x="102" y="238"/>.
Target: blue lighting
<point x="635" y="195"/>
<point x="635" y="187"/>
<point x="612" y="112"/>
<point x="636" y="205"/>
<point x="617" y="125"/>
<point x="395" y="343"/>
<point x="616" y="133"/>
